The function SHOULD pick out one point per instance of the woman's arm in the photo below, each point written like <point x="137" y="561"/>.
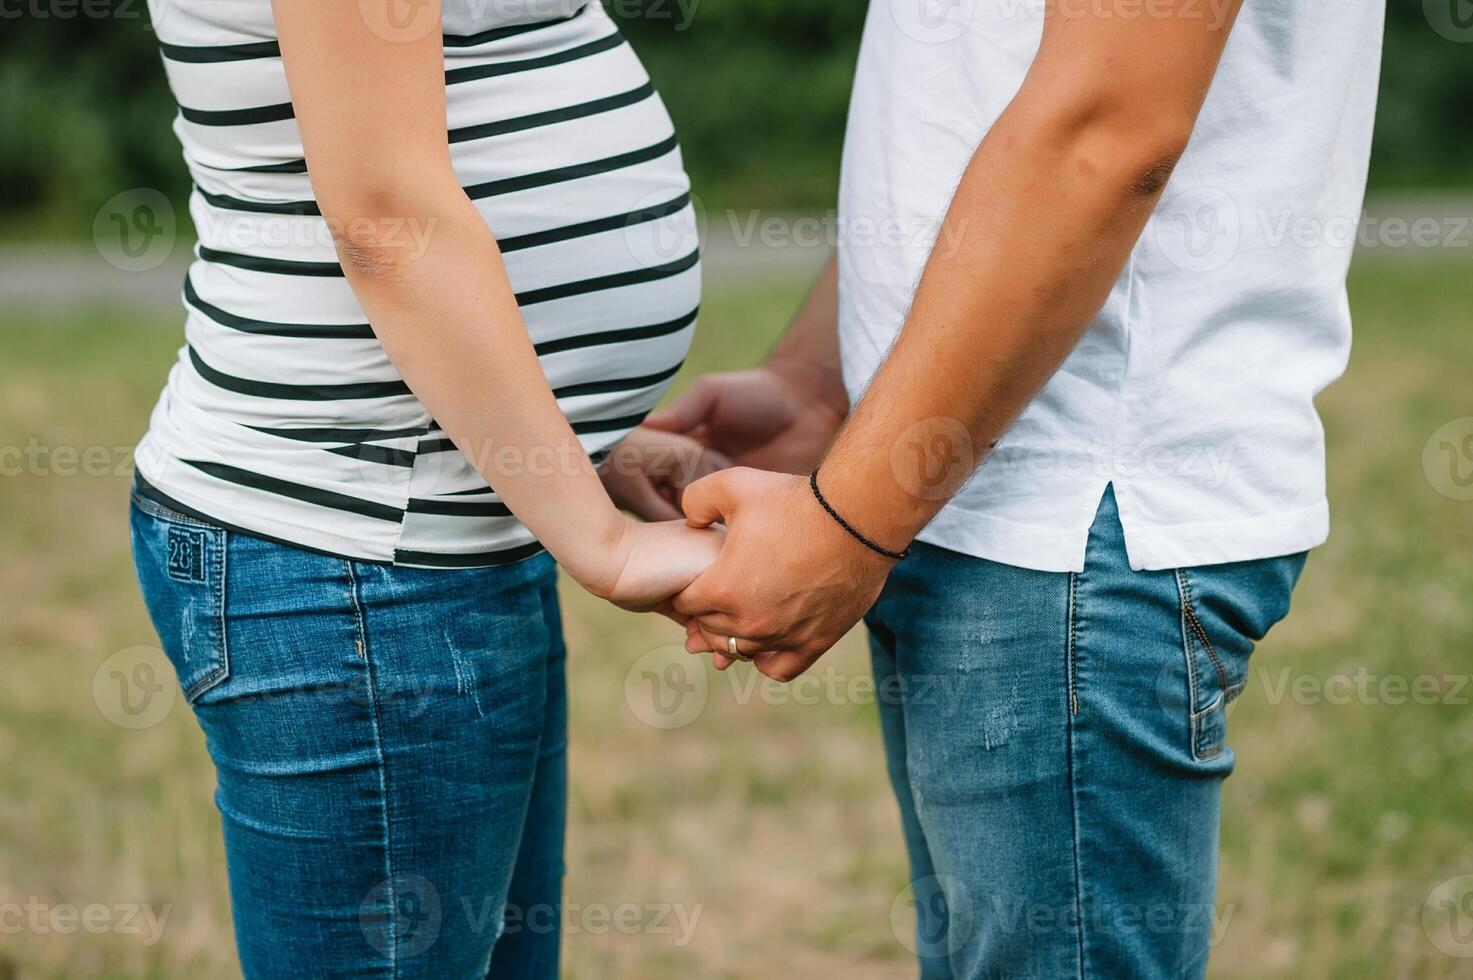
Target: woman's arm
<point x="370" y="104"/>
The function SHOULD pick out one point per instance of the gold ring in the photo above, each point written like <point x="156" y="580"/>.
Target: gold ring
<point x="733" y="652"/>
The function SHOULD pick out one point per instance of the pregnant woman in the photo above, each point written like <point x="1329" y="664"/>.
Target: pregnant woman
<point x="441" y="251"/>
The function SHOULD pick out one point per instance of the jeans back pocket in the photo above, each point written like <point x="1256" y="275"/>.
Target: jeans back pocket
<point x="1225" y="611"/>
<point x="181" y="569"/>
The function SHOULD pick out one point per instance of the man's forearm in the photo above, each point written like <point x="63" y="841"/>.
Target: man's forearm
<point x="1041" y="225"/>
<point x="808" y="353"/>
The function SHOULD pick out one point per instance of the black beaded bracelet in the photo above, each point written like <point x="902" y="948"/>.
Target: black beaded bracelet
<point x="818" y="495"/>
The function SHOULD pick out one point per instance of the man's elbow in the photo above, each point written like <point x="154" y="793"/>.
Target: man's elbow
<point x="1127" y="152"/>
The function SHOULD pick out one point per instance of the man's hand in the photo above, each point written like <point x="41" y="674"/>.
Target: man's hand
<point x="647" y="472"/>
<point x="780" y="416"/>
<point x="789" y="582"/>
<point x="759" y="418"/>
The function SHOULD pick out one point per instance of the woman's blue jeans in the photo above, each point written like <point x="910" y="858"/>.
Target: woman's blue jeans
<point x="390" y="751"/>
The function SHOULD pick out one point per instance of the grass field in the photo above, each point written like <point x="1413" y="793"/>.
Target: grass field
<point x="768" y="821"/>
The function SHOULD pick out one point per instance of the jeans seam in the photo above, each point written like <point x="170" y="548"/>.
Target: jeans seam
<point x="361" y="641"/>
<point x="1070" y="646"/>
<point x="1078" y="864"/>
<point x="1070" y="729"/>
<point x="222" y="670"/>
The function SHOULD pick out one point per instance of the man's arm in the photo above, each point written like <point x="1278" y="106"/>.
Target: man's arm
<point x="1045" y="218"/>
<point x="1042" y="223"/>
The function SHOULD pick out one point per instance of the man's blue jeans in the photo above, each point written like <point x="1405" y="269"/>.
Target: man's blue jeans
<point x="1057" y="745"/>
<point x="389" y="745"/>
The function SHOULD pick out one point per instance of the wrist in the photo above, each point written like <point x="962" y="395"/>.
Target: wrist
<point x="819" y="385"/>
<point x="859" y="518"/>
<point x="870" y="544"/>
<point x="602" y="553"/>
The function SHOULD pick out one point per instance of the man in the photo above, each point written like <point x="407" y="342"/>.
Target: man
<point x="1121" y="311"/>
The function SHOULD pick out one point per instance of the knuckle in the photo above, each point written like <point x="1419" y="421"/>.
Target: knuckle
<point x="761" y="628"/>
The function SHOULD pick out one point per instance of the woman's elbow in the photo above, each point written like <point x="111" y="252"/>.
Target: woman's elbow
<point x="378" y="226"/>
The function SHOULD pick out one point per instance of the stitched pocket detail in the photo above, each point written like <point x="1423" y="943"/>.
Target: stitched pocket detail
<point x="1209" y="685"/>
<point x="182" y="570"/>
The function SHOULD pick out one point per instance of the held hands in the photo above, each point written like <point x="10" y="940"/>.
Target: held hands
<point x="788" y="582"/>
<point x="650" y="563"/>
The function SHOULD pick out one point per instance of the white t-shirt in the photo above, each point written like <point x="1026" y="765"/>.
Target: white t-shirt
<point x="1193" y="392"/>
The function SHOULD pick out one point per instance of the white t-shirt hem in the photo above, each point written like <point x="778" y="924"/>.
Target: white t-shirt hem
<point x="1052" y="549"/>
<point x="1220" y="542"/>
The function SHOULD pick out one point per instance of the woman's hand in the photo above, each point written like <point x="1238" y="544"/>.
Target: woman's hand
<point x="647" y="472"/>
<point x="650" y="563"/>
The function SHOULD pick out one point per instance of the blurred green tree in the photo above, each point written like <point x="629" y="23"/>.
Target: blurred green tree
<point x="758" y="89"/>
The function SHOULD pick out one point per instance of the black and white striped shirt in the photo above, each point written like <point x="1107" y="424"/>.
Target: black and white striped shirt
<point x="284" y="417"/>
